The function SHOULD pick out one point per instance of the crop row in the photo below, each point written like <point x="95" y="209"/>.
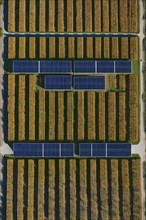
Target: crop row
<point x="73" y="48"/>
<point x="73" y="189"/>
<point x="73" y="16"/>
<point x="49" y="115"/>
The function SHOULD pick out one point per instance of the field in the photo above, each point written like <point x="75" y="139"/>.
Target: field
<point x="73" y="48"/>
<point x="75" y="16"/>
<point x="73" y="189"/>
<point x="73" y="116"/>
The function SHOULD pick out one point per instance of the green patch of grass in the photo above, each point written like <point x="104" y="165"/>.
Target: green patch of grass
<point x="1" y="32"/>
<point x="1" y="2"/>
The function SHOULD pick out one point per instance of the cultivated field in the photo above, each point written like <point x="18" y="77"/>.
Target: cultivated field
<point x="75" y="16"/>
<point x="73" y="189"/>
<point x="73" y="48"/>
<point x="41" y="115"/>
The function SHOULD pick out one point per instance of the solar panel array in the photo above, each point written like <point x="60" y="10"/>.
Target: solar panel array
<point x="59" y="67"/>
<point x="89" y="83"/>
<point x="65" y="67"/>
<point x="43" y="150"/>
<point x="103" y="67"/>
<point x="26" y="66"/>
<point x="104" y="150"/>
<point x="58" y="82"/>
<point x="42" y="67"/>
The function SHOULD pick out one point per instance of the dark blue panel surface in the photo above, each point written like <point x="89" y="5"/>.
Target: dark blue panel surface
<point x="84" y="66"/>
<point x="123" y="66"/>
<point x="85" y="150"/>
<point x="118" y="150"/>
<point x="89" y="83"/>
<point x="20" y="66"/>
<point x="51" y="150"/>
<point x="99" y="150"/>
<point x="27" y="149"/>
<point x="67" y="150"/>
<point x="105" y="66"/>
<point x="58" y="82"/>
<point x="55" y="66"/>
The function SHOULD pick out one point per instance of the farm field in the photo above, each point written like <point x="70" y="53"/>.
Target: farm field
<point x="72" y="189"/>
<point x="72" y="47"/>
<point x="38" y="115"/>
<point x="75" y="16"/>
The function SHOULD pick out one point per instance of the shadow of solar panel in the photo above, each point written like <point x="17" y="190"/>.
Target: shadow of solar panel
<point x="67" y="150"/>
<point x="89" y="83"/>
<point x="25" y="66"/>
<point x="51" y="150"/>
<point x="99" y="150"/>
<point x="105" y="66"/>
<point x="58" y="82"/>
<point x="85" y="150"/>
<point x="123" y="66"/>
<point x="84" y="66"/>
<point x="27" y="150"/>
<point x="118" y="150"/>
<point x="55" y="66"/>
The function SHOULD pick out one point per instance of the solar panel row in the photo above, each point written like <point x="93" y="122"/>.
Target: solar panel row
<point x="43" y="150"/>
<point x="104" y="150"/>
<point x="65" y="67"/>
<point x="79" y="83"/>
<point x="89" y="83"/>
<point x="102" y="67"/>
<point x="42" y="67"/>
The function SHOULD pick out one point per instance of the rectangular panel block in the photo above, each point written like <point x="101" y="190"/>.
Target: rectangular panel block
<point x="58" y="82"/>
<point x="84" y="66"/>
<point x="99" y="150"/>
<point x="123" y="66"/>
<point x="55" y="67"/>
<point x="85" y="150"/>
<point x="105" y="66"/>
<point x="67" y="150"/>
<point x="118" y="150"/>
<point x="51" y="150"/>
<point x="89" y="83"/>
<point x="25" y="66"/>
<point x="27" y="150"/>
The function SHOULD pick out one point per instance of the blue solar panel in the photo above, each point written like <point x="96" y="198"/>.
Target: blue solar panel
<point x="25" y="66"/>
<point x="84" y="66"/>
<point x="67" y="150"/>
<point x="105" y="66"/>
<point x="85" y="150"/>
<point x="89" y="83"/>
<point x="27" y="149"/>
<point x="99" y="150"/>
<point x="51" y="150"/>
<point x="56" y="66"/>
<point x="58" y="82"/>
<point x="118" y="150"/>
<point x="123" y="66"/>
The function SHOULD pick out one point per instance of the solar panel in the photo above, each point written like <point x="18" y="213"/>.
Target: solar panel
<point x="89" y="83"/>
<point x="55" y="66"/>
<point x="25" y="66"/>
<point x="105" y="66"/>
<point x="51" y="150"/>
<point x="27" y="149"/>
<point x="85" y="150"/>
<point x="84" y="66"/>
<point x="67" y="150"/>
<point x="58" y="82"/>
<point x="99" y="150"/>
<point x="123" y="66"/>
<point x="118" y="150"/>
